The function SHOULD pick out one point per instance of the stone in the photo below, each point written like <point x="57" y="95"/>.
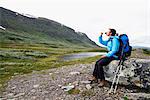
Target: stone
<point x="76" y="83"/>
<point x="70" y="84"/>
<point x="85" y="82"/>
<point x="67" y="88"/>
<point x="143" y="60"/>
<point x="47" y="99"/>
<point x="20" y="94"/>
<point x="33" y="90"/>
<point x="108" y="98"/>
<point x="33" y="97"/>
<point x="10" y="94"/>
<point x="74" y="73"/>
<point x="13" y="87"/>
<point x="59" y="85"/>
<point x="50" y="73"/>
<point x="36" y="86"/>
<point x="88" y="86"/>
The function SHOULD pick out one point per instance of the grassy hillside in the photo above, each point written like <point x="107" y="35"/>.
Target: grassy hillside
<point x="23" y="29"/>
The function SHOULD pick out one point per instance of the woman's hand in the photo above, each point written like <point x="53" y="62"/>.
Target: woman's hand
<point x="101" y="33"/>
<point x="103" y="56"/>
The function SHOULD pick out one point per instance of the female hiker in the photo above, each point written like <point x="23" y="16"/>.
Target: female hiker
<point x="112" y="44"/>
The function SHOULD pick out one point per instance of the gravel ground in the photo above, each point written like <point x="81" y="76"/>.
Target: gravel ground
<point x="49" y="85"/>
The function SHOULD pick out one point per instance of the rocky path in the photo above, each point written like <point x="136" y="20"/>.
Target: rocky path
<point x="65" y="83"/>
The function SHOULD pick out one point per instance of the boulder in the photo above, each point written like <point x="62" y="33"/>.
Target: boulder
<point x="134" y="71"/>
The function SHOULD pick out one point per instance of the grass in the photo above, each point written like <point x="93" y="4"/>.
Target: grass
<point x="74" y="91"/>
<point x="125" y="98"/>
<point x="88" y="93"/>
<point x="146" y="51"/>
<point x="18" y="59"/>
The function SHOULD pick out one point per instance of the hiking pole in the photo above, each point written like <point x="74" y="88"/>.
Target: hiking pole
<point x="118" y="78"/>
<point x="119" y="73"/>
<point x="111" y="89"/>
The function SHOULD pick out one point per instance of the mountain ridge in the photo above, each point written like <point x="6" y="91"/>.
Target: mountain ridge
<point x="41" y="30"/>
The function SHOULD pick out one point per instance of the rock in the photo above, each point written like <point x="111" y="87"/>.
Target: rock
<point x="34" y="98"/>
<point x="36" y="86"/>
<point x="85" y="82"/>
<point x="33" y="90"/>
<point x="10" y="94"/>
<point x="143" y="60"/>
<point x="74" y="73"/>
<point x="67" y="88"/>
<point x="105" y="88"/>
<point x="16" y="73"/>
<point x="88" y="86"/>
<point x="20" y="94"/>
<point x="47" y="99"/>
<point x="76" y="83"/>
<point x="50" y="73"/>
<point x="59" y="85"/>
<point x="108" y="98"/>
<point x="2" y="98"/>
<point x="13" y="87"/>
<point x="131" y="71"/>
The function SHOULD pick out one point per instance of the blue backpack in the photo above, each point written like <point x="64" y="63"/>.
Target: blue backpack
<point x="124" y="48"/>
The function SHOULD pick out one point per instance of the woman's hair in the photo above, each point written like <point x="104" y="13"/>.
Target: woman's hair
<point x="113" y="31"/>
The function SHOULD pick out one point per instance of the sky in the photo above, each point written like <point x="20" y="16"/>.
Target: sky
<point x="92" y="16"/>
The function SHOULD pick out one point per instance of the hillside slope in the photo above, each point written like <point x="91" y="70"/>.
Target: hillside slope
<point x="26" y="29"/>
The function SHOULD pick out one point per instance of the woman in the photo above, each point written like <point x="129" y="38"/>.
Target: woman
<point x="112" y="45"/>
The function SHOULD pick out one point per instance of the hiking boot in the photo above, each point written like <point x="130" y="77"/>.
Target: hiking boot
<point x="102" y="83"/>
<point x="93" y="80"/>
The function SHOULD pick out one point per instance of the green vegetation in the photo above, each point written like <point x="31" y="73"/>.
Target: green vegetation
<point x="74" y="91"/>
<point x="22" y="59"/>
<point x="146" y="51"/>
<point x="125" y="98"/>
<point x="87" y="93"/>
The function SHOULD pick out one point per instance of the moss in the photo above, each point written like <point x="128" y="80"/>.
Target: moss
<point x="74" y="91"/>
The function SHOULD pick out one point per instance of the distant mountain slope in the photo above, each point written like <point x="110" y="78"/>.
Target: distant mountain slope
<point x="20" y="28"/>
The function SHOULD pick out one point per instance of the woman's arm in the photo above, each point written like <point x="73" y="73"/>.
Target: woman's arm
<point x="102" y="42"/>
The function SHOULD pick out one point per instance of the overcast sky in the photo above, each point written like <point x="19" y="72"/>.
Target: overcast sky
<point x="92" y="16"/>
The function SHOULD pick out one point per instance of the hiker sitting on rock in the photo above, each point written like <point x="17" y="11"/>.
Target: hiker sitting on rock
<point x="112" y="45"/>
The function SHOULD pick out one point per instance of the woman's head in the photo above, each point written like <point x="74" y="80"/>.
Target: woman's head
<point x="111" y="32"/>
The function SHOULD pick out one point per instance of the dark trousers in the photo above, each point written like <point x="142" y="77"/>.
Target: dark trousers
<point x="98" y="70"/>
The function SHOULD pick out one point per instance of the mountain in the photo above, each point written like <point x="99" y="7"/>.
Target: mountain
<point x="23" y="28"/>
